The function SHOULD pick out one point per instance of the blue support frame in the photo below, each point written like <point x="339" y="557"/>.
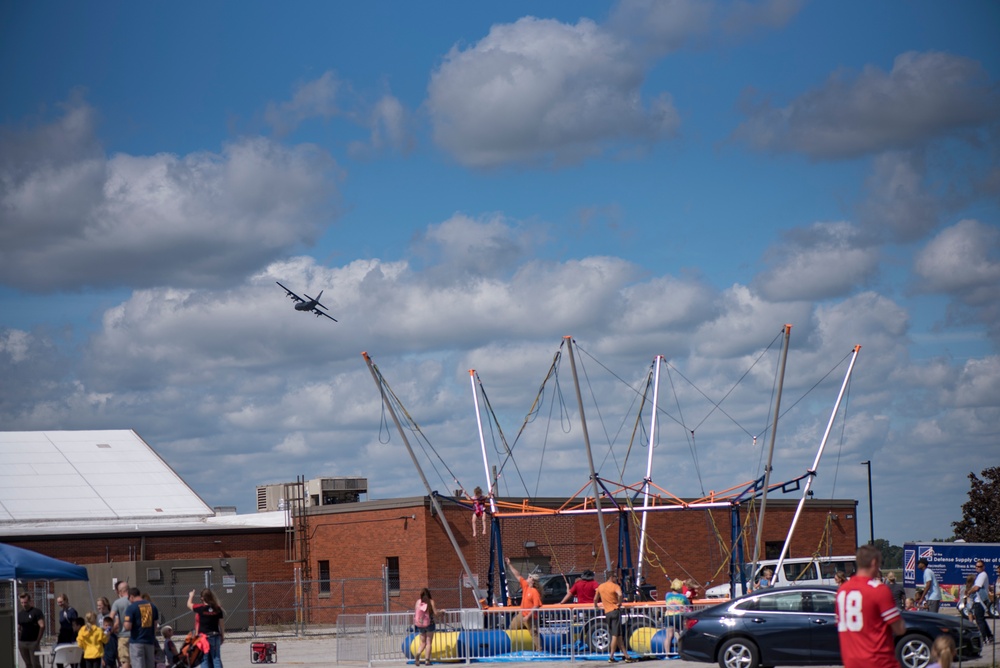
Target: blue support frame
<point x="496" y="564"/>
<point x="736" y="545"/>
<point x="738" y="558"/>
<point x="626" y="570"/>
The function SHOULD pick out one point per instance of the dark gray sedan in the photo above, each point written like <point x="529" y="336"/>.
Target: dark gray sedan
<point x="796" y="626"/>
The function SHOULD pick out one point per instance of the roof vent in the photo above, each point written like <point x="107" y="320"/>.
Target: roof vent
<point x="107" y="446"/>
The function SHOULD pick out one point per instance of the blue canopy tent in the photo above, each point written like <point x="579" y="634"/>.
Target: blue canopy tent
<point x="16" y="563"/>
<point x="19" y="564"/>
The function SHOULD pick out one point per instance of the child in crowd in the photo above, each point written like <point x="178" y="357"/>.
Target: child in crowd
<point x="942" y="652"/>
<point x="77" y="623"/>
<point x="90" y="637"/>
<point x="964" y="607"/>
<point x="765" y="578"/>
<point x="169" y="648"/>
<point x="110" y="659"/>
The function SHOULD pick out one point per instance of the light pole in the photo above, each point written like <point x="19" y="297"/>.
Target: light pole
<point x="871" y="512"/>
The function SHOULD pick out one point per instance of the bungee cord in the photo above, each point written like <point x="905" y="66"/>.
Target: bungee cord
<point x="639" y="427"/>
<point x="387" y="393"/>
<point x="690" y="440"/>
<point x="600" y="417"/>
<point x="840" y="446"/>
<point x="809" y="391"/>
<point x="508" y="450"/>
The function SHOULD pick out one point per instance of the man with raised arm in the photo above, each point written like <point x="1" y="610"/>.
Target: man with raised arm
<point x="531" y="601"/>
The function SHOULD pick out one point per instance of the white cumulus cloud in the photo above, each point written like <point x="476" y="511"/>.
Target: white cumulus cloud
<point x="539" y="90"/>
<point x="818" y="262"/>
<point x="963" y="260"/>
<point x="924" y="95"/>
<point x="899" y="201"/>
<point x="74" y="217"/>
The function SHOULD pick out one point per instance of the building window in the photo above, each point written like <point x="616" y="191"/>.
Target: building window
<point x="324" y="578"/>
<point x="772" y="549"/>
<point x="392" y="571"/>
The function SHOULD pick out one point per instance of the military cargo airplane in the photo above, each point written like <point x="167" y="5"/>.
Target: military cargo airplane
<point x="307" y="304"/>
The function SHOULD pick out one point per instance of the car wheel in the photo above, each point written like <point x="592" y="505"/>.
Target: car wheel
<point x="599" y="637"/>
<point x="739" y="653"/>
<point x="913" y="651"/>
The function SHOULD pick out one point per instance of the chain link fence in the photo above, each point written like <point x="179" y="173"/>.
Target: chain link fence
<point x="275" y="609"/>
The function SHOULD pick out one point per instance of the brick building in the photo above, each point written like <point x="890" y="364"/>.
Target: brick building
<point x="311" y="563"/>
<point x="404" y="539"/>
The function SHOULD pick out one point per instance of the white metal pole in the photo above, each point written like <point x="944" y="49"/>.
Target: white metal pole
<point x="14" y="603"/>
<point x="482" y="441"/>
<point x="649" y="469"/>
<point x="819" y="455"/>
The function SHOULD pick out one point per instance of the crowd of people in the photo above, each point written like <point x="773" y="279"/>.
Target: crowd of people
<point x="869" y="619"/>
<point x="123" y="634"/>
<point x="608" y="596"/>
<point x="868" y="610"/>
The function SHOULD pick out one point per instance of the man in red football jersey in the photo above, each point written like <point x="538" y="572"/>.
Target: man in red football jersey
<point x="867" y="616"/>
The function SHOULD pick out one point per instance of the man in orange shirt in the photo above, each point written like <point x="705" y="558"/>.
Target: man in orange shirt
<point x="610" y="595"/>
<point x="531" y="600"/>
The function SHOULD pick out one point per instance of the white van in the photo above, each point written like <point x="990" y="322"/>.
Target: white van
<point x="804" y="571"/>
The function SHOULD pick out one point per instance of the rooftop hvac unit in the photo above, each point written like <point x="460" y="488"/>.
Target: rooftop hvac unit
<point x="342" y="484"/>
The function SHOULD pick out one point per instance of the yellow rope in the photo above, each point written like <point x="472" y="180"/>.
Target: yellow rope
<point x="816" y="555"/>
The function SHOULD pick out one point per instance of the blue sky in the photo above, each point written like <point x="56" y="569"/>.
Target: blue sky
<point x="471" y="183"/>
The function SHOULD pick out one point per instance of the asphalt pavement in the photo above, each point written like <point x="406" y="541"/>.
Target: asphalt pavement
<point x="320" y="651"/>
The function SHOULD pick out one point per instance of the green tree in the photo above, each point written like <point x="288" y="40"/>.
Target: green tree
<point x="980" y="521"/>
<point x="892" y="555"/>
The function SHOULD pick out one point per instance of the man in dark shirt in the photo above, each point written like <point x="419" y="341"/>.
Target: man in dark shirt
<point x="30" y="626"/>
<point x="141" y="618"/>
<point x="898" y="591"/>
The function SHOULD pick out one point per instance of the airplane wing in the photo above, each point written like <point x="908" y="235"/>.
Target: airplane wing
<point x="319" y="313"/>
<point x="291" y="295"/>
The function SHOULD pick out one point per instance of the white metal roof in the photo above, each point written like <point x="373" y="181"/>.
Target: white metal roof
<point x="99" y="476"/>
<point x="221" y="523"/>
